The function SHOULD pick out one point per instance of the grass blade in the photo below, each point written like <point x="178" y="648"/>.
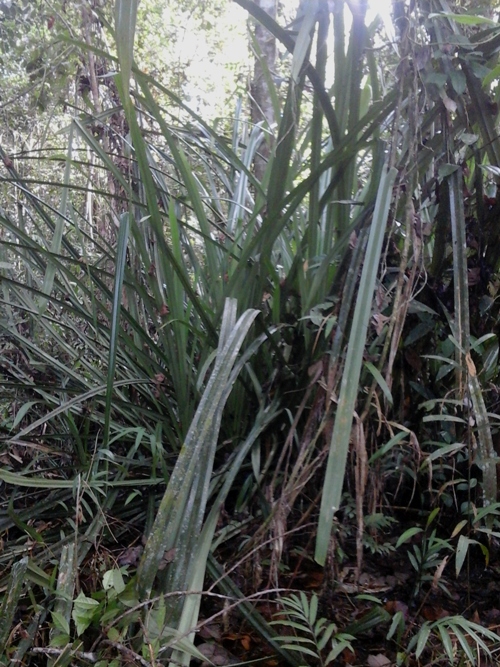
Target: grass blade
<point x="121" y="259"/>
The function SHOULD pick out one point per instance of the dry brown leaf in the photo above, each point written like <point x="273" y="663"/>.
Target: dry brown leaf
<point x="439" y="572"/>
<point x="450" y="105"/>
<point x="434" y="613"/>
<point x="474" y="276"/>
<point x="130" y="556"/>
<point x="393" y="606"/>
<point x="217" y="655"/>
<point x="15" y="456"/>
<point x="168" y="557"/>
<point x="348" y="656"/>
<point x="210" y="631"/>
<point x="379" y="660"/>
<point x="470" y="365"/>
<point x="413" y="359"/>
<point x="379" y="321"/>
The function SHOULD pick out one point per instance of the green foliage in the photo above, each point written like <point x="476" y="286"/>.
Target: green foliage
<point x="457" y="636"/>
<point x="181" y="44"/>
<point x="335" y="471"/>
<point x="11" y="600"/>
<point x="312" y="636"/>
<point x="183" y="345"/>
<point x="38" y="65"/>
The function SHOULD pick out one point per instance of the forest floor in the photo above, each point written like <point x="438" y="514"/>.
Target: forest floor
<point x="390" y="597"/>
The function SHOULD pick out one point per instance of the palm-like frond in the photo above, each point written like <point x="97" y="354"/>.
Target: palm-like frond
<point x="125" y="363"/>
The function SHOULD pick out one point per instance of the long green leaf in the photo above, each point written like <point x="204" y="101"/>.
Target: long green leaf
<point x="10" y="600"/>
<point x="125" y="20"/>
<point x="337" y="458"/>
<point x="61" y="614"/>
<point x="194" y="464"/>
<point x="487" y="454"/>
<point x="121" y="259"/>
<point x="48" y="281"/>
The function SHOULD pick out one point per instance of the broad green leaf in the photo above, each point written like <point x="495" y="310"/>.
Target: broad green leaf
<point x="447" y="643"/>
<point x="113" y="579"/>
<point x="465" y="645"/>
<point x="380" y="381"/>
<point x="423" y="636"/>
<point x="194" y="464"/>
<point x="407" y="535"/>
<point x="125" y="20"/>
<point x="372" y="619"/>
<point x="465" y="19"/>
<point x="83" y="612"/>
<point x="461" y="553"/>
<point x="446" y="451"/>
<point x="491" y="76"/>
<point x="313" y="609"/>
<point x="339" y="644"/>
<point x="301" y="649"/>
<point x="458" y="82"/>
<point x="447" y="169"/>
<point x="22" y="412"/>
<point x="443" y="418"/>
<point x="303" y="40"/>
<point x="60" y="623"/>
<point x="334" y="477"/>
<point x="388" y="446"/>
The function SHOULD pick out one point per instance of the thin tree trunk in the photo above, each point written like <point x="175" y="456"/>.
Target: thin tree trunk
<point x="261" y="101"/>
